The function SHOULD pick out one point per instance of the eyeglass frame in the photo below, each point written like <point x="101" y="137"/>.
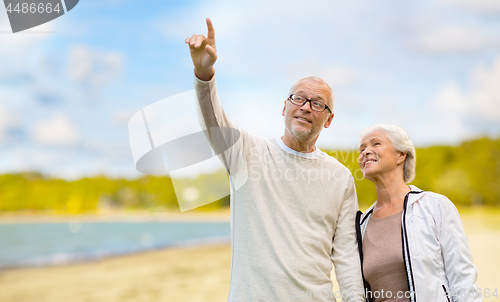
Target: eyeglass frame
<point x="306" y="100"/>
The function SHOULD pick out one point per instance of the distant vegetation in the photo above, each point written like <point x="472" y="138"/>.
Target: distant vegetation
<point x="33" y="191"/>
<point x="468" y="175"/>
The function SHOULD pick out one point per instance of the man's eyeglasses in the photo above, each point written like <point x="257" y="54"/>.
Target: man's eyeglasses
<point x="315" y="105"/>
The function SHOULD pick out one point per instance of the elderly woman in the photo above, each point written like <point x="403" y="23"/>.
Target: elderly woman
<point x="412" y="243"/>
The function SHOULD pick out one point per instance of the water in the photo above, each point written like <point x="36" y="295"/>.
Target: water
<point x="39" y="244"/>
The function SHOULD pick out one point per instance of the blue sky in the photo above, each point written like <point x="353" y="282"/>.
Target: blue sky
<point x="68" y="87"/>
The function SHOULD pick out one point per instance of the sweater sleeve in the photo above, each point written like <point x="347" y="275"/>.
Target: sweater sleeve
<point x="212" y="113"/>
<point x="226" y="138"/>
<point x="460" y="270"/>
<point x="345" y="255"/>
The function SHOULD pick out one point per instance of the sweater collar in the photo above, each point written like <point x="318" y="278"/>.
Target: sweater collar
<point x="312" y="155"/>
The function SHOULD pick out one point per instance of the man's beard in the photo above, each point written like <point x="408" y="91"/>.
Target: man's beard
<point x="301" y="133"/>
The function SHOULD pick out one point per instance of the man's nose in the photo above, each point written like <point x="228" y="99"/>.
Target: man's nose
<point x="306" y="106"/>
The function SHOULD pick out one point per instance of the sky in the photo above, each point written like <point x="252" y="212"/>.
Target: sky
<point x="69" y="87"/>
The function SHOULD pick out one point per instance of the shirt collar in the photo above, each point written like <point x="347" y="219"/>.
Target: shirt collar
<point x="315" y="154"/>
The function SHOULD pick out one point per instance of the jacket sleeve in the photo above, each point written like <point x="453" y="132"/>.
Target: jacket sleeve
<point x="345" y="255"/>
<point x="460" y="270"/>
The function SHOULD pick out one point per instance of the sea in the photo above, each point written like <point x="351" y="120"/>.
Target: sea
<point x="43" y="244"/>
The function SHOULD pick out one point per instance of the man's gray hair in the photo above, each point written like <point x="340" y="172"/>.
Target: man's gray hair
<point x="331" y="101"/>
<point x="401" y="142"/>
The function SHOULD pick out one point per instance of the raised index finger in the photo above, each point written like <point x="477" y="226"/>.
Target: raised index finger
<point x="211" y="32"/>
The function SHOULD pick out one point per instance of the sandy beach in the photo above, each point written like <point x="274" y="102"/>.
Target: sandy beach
<point x="194" y="273"/>
<point x="177" y="274"/>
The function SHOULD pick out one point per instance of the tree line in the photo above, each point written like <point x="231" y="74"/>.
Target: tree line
<point x="468" y="174"/>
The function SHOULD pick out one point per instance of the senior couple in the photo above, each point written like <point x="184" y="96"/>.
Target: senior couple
<point x="410" y="245"/>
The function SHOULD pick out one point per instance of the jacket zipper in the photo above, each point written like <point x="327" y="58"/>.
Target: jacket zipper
<point x="406" y="254"/>
<point x="446" y="293"/>
<point x="359" y="236"/>
<point x="360" y="250"/>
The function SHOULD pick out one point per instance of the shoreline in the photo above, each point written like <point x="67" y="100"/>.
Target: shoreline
<point x="200" y="244"/>
<point x="221" y="215"/>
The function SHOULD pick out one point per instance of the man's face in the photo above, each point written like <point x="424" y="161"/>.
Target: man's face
<point x="303" y="122"/>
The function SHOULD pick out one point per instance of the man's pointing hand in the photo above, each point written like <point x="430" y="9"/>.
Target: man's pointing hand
<point x="203" y="53"/>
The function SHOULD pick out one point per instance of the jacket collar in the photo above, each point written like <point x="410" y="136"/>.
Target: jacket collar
<point x="414" y="195"/>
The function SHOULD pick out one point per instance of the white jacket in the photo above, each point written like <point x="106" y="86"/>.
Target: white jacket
<point x="436" y="252"/>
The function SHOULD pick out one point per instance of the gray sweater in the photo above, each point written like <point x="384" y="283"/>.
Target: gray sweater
<point x="292" y="214"/>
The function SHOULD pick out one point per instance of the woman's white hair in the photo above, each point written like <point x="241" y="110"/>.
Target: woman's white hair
<point x="401" y="142"/>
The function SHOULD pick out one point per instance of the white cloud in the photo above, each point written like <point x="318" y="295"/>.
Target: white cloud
<point x="482" y="6"/>
<point x="58" y="130"/>
<point x="450" y="107"/>
<point x="338" y="76"/>
<point x="456" y="109"/>
<point x="485" y="92"/>
<point x="5" y="121"/>
<point x="450" y="99"/>
<point x="94" y="69"/>
<point x="17" y="48"/>
<point x="123" y="116"/>
<point x="451" y="39"/>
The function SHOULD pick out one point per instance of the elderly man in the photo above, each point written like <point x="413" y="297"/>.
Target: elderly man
<point x="294" y="209"/>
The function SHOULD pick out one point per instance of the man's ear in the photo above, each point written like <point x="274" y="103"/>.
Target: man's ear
<point x="284" y="108"/>
<point x="329" y="120"/>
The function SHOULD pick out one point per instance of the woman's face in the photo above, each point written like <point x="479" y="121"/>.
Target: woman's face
<point x="377" y="155"/>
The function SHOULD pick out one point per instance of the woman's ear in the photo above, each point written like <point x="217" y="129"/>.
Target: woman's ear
<point x="401" y="157"/>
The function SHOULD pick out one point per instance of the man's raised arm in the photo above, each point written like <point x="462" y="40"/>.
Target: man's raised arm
<point x="221" y="132"/>
<point x="203" y="53"/>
